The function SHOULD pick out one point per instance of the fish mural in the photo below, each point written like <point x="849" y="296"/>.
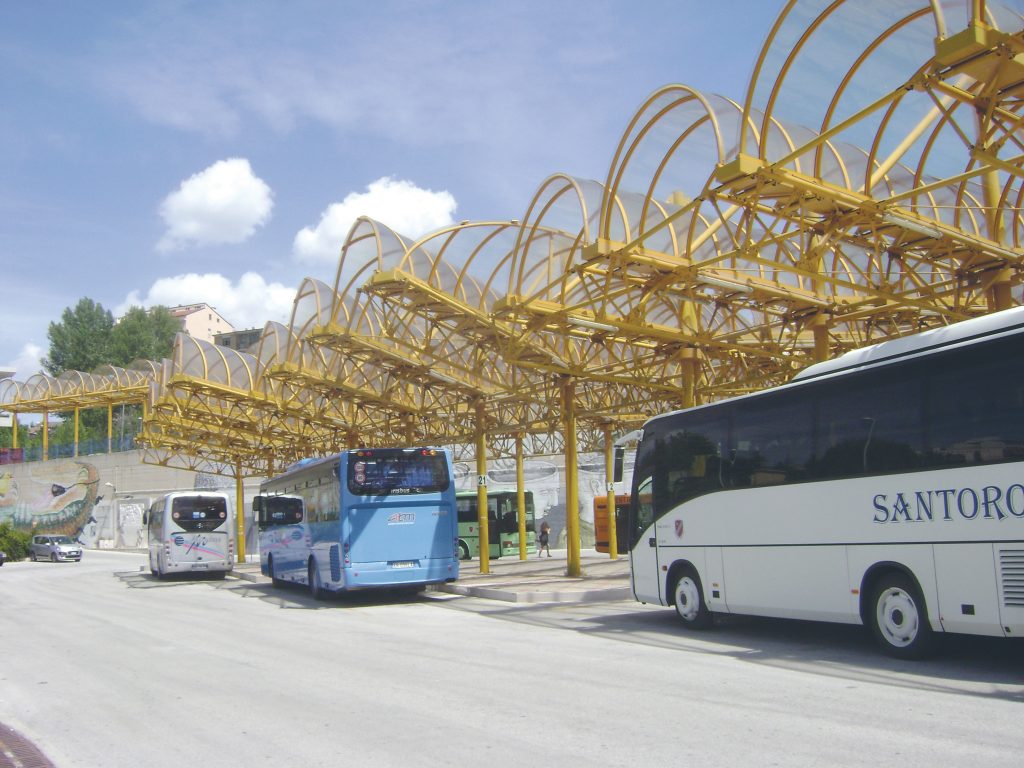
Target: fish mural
<point x="56" y="498"/>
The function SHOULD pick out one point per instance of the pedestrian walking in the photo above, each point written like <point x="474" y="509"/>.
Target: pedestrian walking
<point x="545" y="535"/>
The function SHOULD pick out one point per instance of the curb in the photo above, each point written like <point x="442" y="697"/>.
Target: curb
<point x="502" y="594"/>
<point x="605" y="595"/>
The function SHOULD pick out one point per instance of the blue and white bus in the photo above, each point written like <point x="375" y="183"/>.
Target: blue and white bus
<point x="884" y="487"/>
<point x="370" y="517"/>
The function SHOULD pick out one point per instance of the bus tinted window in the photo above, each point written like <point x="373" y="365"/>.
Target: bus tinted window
<point x="687" y="462"/>
<point x="374" y="473"/>
<point x="973" y="421"/>
<point x="198" y="513"/>
<point x="466" y="508"/>
<point x="283" y="510"/>
<point x="870" y="422"/>
<point x="773" y="442"/>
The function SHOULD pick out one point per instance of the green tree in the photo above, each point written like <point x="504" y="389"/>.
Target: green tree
<point x="81" y="340"/>
<point x="14" y="543"/>
<point x="143" y="335"/>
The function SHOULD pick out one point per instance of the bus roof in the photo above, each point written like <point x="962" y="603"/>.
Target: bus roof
<point x="966" y="330"/>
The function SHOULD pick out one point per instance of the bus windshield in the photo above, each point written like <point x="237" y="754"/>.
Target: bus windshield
<point x="383" y="472"/>
<point x="199" y="513"/>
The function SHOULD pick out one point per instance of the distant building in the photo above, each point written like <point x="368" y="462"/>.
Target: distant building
<point x="243" y="341"/>
<point x="201" y="321"/>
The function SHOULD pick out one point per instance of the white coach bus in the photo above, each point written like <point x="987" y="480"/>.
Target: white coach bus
<point x="884" y="487"/>
<point x="190" y="532"/>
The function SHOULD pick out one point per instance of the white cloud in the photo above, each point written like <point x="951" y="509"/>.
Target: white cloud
<point x="27" y="363"/>
<point x="249" y="303"/>
<point x="401" y="205"/>
<point x="223" y="204"/>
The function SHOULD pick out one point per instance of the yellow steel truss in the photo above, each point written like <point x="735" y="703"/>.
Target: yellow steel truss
<point x="731" y="244"/>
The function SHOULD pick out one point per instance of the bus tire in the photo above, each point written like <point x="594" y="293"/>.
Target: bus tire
<point x="316" y="589"/>
<point x="899" y="618"/>
<point x="463" y="551"/>
<point x="274" y="580"/>
<point x="688" y="600"/>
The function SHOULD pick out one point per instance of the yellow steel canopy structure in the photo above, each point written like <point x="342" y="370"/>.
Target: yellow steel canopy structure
<point x="866" y="186"/>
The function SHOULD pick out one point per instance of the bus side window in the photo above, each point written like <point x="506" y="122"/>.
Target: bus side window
<point x="870" y="422"/>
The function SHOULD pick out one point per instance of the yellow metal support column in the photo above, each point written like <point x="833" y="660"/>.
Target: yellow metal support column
<point x="1000" y="297"/>
<point x="239" y="513"/>
<point x="572" y="504"/>
<point x="76" y="432"/>
<point x="14" y="426"/>
<point x="819" y="327"/>
<point x="520" y="497"/>
<point x="609" y="473"/>
<point x="481" y="487"/>
<point x="690" y="365"/>
<point x="46" y="435"/>
<point x="110" y="428"/>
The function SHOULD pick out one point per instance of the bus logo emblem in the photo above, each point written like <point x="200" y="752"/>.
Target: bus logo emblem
<point x="402" y="518"/>
<point x="679" y="529"/>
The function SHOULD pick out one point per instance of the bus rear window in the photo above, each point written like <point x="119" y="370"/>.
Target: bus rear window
<point x="283" y="510"/>
<point x="379" y="473"/>
<point x="196" y="513"/>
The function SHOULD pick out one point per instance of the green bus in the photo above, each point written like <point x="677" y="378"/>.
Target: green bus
<point x="502" y="524"/>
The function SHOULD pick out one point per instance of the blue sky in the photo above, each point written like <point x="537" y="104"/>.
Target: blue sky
<point x="177" y="152"/>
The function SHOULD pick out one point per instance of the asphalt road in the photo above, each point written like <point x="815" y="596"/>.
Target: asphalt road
<point x="103" y="666"/>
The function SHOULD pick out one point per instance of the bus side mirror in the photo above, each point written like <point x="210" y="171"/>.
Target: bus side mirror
<point x="259" y="510"/>
<point x="620" y="457"/>
<point x="145" y="518"/>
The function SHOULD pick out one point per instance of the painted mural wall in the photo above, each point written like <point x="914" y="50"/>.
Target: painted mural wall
<point x="49" y="497"/>
<point x="99" y="500"/>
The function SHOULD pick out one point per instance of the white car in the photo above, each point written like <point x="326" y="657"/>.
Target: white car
<point x="55" y="548"/>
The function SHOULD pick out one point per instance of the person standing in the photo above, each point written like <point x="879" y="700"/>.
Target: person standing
<point x="545" y="535"/>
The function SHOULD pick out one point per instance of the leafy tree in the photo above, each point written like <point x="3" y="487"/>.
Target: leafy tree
<point x="81" y="340"/>
<point x="7" y="437"/>
<point x="87" y="338"/>
<point x="143" y="335"/>
<point x="14" y="543"/>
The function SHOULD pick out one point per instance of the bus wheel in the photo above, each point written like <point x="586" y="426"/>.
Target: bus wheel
<point x="688" y="599"/>
<point x="316" y="590"/>
<point x="274" y="580"/>
<point x="463" y="551"/>
<point x="899" y="618"/>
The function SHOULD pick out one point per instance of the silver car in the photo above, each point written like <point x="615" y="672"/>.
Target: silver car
<point x="55" y="548"/>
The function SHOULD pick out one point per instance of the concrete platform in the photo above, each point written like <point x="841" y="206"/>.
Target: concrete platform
<point x="536" y="580"/>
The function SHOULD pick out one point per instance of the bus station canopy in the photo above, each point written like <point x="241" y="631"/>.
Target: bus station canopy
<point x="865" y="187"/>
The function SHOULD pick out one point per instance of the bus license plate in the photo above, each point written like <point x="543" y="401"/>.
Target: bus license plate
<point x="403" y="564"/>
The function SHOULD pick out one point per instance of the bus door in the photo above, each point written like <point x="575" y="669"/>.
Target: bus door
<point x="282" y="532"/>
<point x="493" y="526"/>
<point x="643" y="553"/>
